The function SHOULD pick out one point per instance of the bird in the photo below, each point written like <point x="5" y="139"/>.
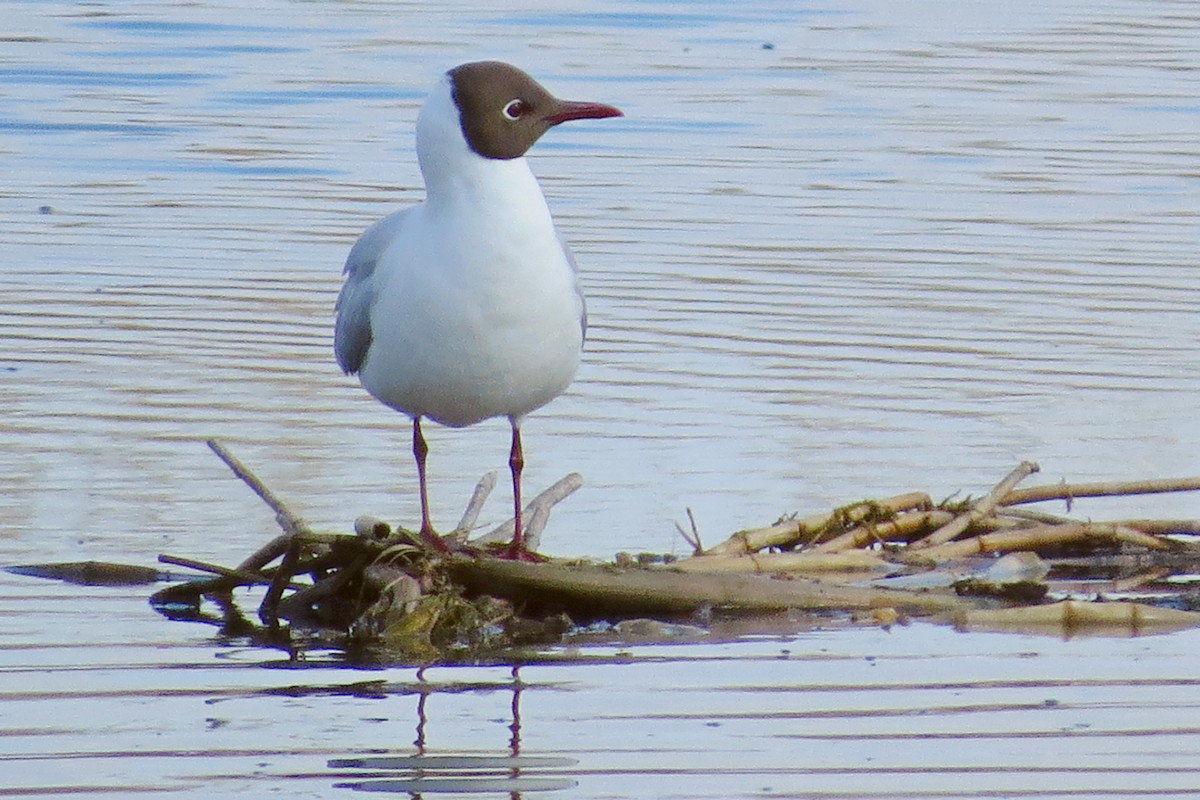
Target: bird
<point x="467" y="305"/>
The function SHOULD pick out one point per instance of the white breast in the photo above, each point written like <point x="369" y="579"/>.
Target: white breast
<point x="477" y="312"/>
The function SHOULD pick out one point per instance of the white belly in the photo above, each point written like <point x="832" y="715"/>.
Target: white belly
<point x="470" y="327"/>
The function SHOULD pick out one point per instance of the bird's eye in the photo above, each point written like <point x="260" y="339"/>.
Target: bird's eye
<point x="515" y="109"/>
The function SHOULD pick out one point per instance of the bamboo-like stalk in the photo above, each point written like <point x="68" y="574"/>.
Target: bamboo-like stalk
<point x="1161" y="526"/>
<point x="594" y="591"/>
<point x="1071" y="615"/>
<point x="371" y="528"/>
<point x="1031" y="516"/>
<point x="1070" y="491"/>
<point x="1140" y="579"/>
<point x="790" y="532"/>
<point x="980" y="509"/>
<point x="770" y="563"/>
<point x="1032" y="539"/>
<point x="902" y="526"/>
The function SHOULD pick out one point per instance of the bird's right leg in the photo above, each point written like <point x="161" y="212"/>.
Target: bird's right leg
<point x="420" y="451"/>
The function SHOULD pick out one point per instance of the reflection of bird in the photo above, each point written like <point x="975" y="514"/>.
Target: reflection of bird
<point x="467" y="306"/>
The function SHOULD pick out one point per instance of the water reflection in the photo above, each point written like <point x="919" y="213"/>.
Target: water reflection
<point x="424" y="772"/>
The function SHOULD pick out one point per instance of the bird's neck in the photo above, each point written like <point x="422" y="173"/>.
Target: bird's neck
<point x="483" y="183"/>
<point x="457" y="178"/>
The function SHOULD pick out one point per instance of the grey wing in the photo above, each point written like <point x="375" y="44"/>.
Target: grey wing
<point x="352" y="331"/>
<point x="578" y="291"/>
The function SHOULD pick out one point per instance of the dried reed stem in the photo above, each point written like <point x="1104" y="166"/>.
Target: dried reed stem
<point x="789" y="532"/>
<point x="1070" y="491"/>
<point x="980" y="509"/>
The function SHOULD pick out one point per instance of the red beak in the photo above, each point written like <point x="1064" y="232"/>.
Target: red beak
<point x="567" y="110"/>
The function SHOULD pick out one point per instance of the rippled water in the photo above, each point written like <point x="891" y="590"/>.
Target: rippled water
<point x="830" y="252"/>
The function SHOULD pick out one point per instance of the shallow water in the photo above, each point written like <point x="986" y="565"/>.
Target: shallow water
<point x="830" y="252"/>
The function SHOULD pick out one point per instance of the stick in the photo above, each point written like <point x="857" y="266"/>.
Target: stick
<point x="1032" y="539"/>
<point x="474" y="506"/>
<point x="980" y="509"/>
<point x="1033" y="515"/>
<point x="788" y="532"/>
<point x="1140" y="538"/>
<point x="556" y="493"/>
<point x="693" y="538"/>
<point x="300" y="602"/>
<point x="290" y="522"/>
<point x="902" y="525"/>
<point x="1069" y="615"/>
<point x="1162" y="525"/>
<point x="768" y="563"/>
<point x="268" y="609"/>
<point x="267" y="553"/>
<point x="535" y="526"/>
<point x="593" y="590"/>
<point x="248" y="577"/>
<point x="1141" y="579"/>
<point x="1067" y="491"/>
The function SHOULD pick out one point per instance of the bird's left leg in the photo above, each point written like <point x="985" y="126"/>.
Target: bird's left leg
<point x="420" y="451"/>
<point x="516" y="463"/>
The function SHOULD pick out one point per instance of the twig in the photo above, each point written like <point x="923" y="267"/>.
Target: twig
<point x="1142" y="539"/>
<point x="300" y="603"/>
<point x="1104" y="488"/>
<point x="268" y="609"/>
<point x="248" y="577"/>
<point x="693" y="538"/>
<point x="279" y="545"/>
<point x="267" y="553"/>
<point x="697" y="545"/>
<point x="980" y="509"/>
<point x="289" y="521"/>
<point x="556" y="493"/>
<point x="474" y="506"/>
<point x="535" y="526"/>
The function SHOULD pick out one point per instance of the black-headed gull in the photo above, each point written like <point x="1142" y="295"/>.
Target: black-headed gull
<point x="467" y="306"/>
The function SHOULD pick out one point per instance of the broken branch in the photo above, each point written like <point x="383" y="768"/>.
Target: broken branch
<point x="289" y="521"/>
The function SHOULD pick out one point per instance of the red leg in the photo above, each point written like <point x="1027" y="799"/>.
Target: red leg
<point x="420" y="451"/>
<point x="516" y="463"/>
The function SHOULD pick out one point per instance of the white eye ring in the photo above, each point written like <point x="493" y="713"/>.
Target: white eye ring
<point x="514" y="109"/>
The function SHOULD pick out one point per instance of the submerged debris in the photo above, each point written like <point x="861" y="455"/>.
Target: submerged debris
<point x="92" y="573"/>
<point x="387" y="595"/>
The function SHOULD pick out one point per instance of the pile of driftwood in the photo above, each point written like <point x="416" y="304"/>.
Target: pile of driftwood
<point x="384" y="591"/>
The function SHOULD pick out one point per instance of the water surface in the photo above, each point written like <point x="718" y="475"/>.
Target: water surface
<point x="830" y="252"/>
